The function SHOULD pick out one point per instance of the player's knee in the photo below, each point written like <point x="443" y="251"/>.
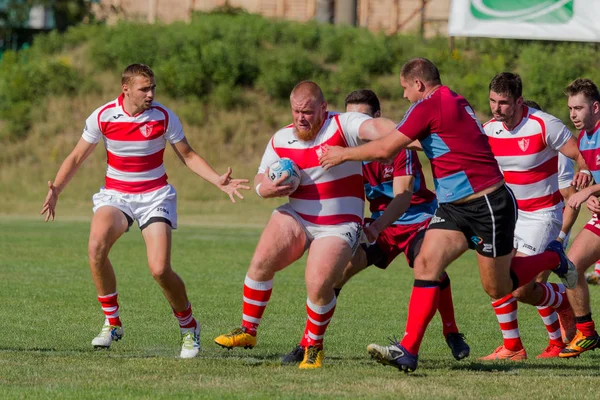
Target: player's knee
<point x="97" y="249"/>
<point x="496" y="292"/>
<point x="426" y="269"/>
<point x="524" y="294"/>
<point x="160" y="270"/>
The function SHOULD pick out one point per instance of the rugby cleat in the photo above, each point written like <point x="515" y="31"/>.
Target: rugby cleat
<point x="394" y="355"/>
<point x="190" y="342"/>
<point x="580" y="344"/>
<point x="551" y="351"/>
<point x="313" y="358"/>
<point x="502" y="353"/>
<point x="236" y="338"/>
<point x="107" y="335"/>
<point x="566" y="270"/>
<point x="460" y="349"/>
<point x="295" y="356"/>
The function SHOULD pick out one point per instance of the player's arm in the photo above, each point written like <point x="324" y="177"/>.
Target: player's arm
<point x="571" y="150"/>
<point x="65" y="173"/>
<point x="569" y="214"/>
<point x="202" y="168"/>
<point x="266" y="188"/>
<point x="403" y="191"/>
<point x="577" y="199"/>
<point x="384" y="148"/>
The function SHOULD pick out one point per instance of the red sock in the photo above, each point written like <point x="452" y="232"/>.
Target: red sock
<point x="110" y="307"/>
<point x="423" y="304"/>
<point x="317" y="322"/>
<point x="256" y="298"/>
<point x="527" y="268"/>
<point x="587" y="328"/>
<point x="186" y="318"/>
<point x="446" y="307"/>
<point x="506" y="312"/>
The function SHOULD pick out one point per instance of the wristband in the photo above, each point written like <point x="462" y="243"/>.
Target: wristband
<point x="258" y="190"/>
<point x="562" y="235"/>
<point x="585" y="171"/>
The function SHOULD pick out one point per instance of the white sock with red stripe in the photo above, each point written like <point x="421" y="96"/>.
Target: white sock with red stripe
<point x="597" y="267"/>
<point x="317" y="322"/>
<point x="550" y="318"/>
<point x="110" y="308"/>
<point x="256" y="298"/>
<point x="506" y="312"/>
<point x="186" y="318"/>
<point x="552" y="296"/>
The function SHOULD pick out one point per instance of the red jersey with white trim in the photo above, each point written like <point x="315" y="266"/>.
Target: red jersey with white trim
<point x="134" y="144"/>
<point x="528" y="157"/>
<point x="462" y="162"/>
<point x="324" y="197"/>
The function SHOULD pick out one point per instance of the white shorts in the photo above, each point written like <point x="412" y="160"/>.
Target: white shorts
<point x="350" y="232"/>
<point x="141" y="207"/>
<point x="534" y="230"/>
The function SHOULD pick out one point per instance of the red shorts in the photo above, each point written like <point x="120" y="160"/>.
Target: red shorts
<point x="397" y="239"/>
<point x="593" y="225"/>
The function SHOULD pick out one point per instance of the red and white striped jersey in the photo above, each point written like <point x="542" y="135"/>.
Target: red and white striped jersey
<point x="324" y="197"/>
<point x="134" y="144"/>
<point x="528" y="157"/>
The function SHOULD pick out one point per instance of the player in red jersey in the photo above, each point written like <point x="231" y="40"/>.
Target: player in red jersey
<point x="584" y="111"/>
<point x="134" y="129"/>
<point x="476" y="208"/>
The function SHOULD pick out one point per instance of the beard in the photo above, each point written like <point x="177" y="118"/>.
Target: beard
<point x="309" y="135"/>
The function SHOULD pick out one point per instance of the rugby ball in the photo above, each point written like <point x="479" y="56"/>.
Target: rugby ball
<point x="285" y="166"/>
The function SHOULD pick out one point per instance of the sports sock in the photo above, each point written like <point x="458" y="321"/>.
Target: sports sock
<point x="110" y="307"/>
<point x="525" y="269"/>
<point x="423" y="304"/>
<point x="446" y="307"/>
<point x="256" y="298"/>
<point x="317" y="322"/>
<point x="586" y="325"/>
<point x="551" y="297"/>
<point x="550" y="318"/>
<point x="186" y="318"/>
<point x="597" y="267"/>
<point x="506" y="312"/>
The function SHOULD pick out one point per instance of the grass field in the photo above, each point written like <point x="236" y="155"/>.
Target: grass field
<point x="49" y="314"/>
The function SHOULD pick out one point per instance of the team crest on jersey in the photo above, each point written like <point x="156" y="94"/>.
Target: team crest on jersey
<point x="146" y="130"/>
<point x="388" y="171"/>
<point x="524" y="144"/>
<point x="320" y="150"/>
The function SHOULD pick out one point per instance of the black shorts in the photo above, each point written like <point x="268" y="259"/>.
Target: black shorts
<point x="488" y="222"/>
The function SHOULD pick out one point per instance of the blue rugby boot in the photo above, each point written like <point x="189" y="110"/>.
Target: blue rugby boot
<point x="394" y="355"/>
<point x="566" y="270"/>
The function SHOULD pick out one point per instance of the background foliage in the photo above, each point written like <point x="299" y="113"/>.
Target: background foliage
<point x="217" y="57"/>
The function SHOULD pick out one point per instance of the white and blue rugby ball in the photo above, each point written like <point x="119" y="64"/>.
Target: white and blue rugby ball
<point x="285" y="166"/>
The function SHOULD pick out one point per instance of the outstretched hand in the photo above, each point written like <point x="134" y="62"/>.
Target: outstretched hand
<point x="49" y="205"/>
<point x="231" y="186"/>
<point x="331" y="156"/>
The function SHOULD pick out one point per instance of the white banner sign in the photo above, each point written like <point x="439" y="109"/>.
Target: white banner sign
<point x="577" y="20"/>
